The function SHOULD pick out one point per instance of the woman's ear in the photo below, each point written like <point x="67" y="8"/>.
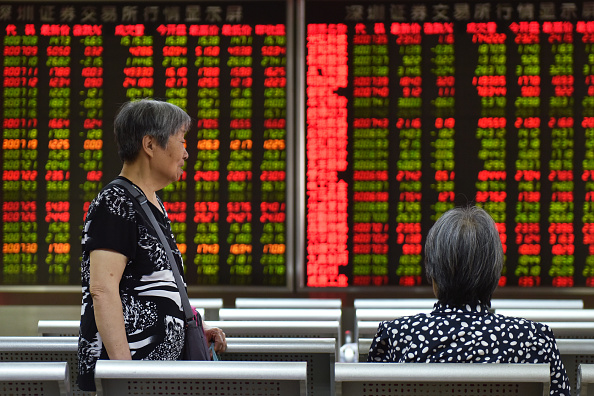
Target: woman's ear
<point x="148" y="145"/>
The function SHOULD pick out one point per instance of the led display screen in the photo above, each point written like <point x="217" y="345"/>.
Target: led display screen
<point x="413" y="108"/>
<point x="66" y="70"/>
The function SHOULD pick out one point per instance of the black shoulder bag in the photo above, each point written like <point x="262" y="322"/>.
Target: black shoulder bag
<point x="195" y="346"/>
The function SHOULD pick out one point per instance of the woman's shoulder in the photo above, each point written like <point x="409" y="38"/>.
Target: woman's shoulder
<point x="114" y="200"/>
<point x="521" y="324"/>
<point x="110" y="190"/>
<point x="405" y="322"/>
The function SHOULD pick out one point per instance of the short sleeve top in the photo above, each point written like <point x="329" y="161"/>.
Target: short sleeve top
<point x="153" y="313"/>
<point x="470" y="334"/>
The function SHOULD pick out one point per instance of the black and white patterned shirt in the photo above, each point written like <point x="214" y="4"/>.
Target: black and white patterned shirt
<point x="151" y="302"/>
<point x="471" y="334"/>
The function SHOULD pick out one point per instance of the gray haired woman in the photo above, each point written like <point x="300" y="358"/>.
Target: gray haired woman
<point x="463" y="262"/>
<point x="131" y="305"/>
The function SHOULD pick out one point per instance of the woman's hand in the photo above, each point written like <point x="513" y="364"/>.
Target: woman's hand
<point x="216" y="335"/>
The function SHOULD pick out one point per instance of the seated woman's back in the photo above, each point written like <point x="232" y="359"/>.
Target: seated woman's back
<point x="471" y="334"/>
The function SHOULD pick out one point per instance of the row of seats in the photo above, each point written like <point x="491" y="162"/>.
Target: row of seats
<point x="292" y="321"/>
<point x="369" y="312"/>
<point x="299" y="322"/>
<point x="572" y="325"/>
<point x="540" y="315"/>
<point x="212" y="306"/>
<point x="303" y="328"/>
<point x="320" y="353"/>
<point x="566" y="323"/>
<point x="328" y="303"/>
<point x="123" y="378"/>
<point x="235" y="328"/>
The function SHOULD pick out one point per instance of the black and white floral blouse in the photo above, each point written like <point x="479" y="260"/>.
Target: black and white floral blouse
<point x="471" y="334"/>
<point x="151" y="302"/>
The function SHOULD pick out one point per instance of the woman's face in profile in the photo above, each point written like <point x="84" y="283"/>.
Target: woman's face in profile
<point x="170" y="160"/>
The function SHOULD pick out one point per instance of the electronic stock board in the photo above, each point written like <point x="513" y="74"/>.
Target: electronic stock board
<point x="413" y="108"/>
<point x="67" y="67"/>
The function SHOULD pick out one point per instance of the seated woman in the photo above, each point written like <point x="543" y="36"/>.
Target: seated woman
<point x="463" y="261"/>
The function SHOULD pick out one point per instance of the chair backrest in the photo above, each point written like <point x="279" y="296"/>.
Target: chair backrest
<point x="366" y="328"/>
<point x="538" y="315"/>
<point x="550" y="315"/>
<point x="43" y="349"/>
<point x="54" y="328"/>
<point x="573" y="353"/>
<point x="574" y="330"/>
<point x="386" y="379"/>
<point x="521" y="303"/>
<point x="319" y="303"/>
<point x="318" y="353"/>
<point x="232" y="328"/>
<point x="148" y="378"/>
<point x="210" y="307"/>
<point x="496" y="303"/>
<point x="280" y="328"/>
<point x="303" y="314"/>
<point x="363" y="345"/>
<point x="585" y="380"/>
<point x="34" y="378"/>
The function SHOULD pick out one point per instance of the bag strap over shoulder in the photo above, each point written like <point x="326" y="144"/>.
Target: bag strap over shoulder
<point x="143" y="201"/>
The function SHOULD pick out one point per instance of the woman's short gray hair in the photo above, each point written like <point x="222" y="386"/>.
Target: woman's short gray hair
<point x="464" y="256"/>
<point x="139" y="118"/>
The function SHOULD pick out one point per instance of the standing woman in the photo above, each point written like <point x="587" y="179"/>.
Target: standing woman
<point x="131" y="306"/>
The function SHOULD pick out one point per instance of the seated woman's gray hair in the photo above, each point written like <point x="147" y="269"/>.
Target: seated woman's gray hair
<point x="464" y="257"/>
